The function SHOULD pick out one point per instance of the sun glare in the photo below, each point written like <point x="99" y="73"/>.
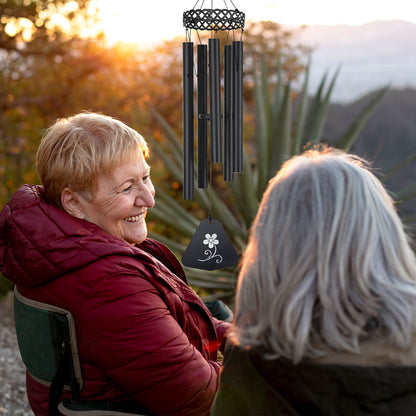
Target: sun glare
<point x="133" y="21"/>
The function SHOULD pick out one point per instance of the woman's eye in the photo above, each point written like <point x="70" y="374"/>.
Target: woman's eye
<point x="146" y="178"/>
<point x="126" y="190"/>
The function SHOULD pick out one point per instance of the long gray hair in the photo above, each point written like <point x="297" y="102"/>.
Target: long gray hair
<point x="328" y="262"/>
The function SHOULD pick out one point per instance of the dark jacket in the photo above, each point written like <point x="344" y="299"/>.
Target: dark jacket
<point x="252" y="385"/>
<point x="143" y="333"/>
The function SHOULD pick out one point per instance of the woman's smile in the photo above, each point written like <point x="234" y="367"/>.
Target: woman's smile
<point x="120" y="204"/>
<point x="136" y="218"/>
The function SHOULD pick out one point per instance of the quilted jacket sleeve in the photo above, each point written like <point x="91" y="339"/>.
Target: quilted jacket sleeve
<point x="132" y="335"/>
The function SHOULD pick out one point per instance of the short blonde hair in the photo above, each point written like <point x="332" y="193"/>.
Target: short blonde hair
<point x="74" y="150"/>
<point x="328" y="262"/>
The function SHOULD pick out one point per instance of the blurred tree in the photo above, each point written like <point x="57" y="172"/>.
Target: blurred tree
<point x="36" y="38"/>
<point x="55" y="62"/>
<point x="264" y="41"/>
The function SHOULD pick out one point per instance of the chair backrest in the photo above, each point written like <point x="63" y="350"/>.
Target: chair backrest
<point x="48" y="346"/>
<point x="44" y="334"/>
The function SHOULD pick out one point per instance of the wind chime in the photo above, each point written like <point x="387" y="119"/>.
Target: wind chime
<point x="210" y="247"/>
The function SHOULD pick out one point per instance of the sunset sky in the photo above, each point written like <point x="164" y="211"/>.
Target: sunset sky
<point x="147" y="22"/>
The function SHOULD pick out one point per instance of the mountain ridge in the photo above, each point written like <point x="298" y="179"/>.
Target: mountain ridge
<point x="371" y="56"/>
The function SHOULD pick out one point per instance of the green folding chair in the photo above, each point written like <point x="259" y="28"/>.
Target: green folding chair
<point x="48" y="346"/>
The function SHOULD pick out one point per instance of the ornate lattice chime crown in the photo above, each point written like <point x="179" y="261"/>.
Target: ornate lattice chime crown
<point x="226" y="131"/>
<point x="210" y="247"/>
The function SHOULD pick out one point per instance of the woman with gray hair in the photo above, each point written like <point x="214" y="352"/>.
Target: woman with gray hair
<point x="325" y="314"/>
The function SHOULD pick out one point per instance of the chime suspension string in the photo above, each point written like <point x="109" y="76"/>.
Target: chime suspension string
<point x="197" y="3"/>
<point x="210" y="184"/>
<point x="210" y="192"/>
<point x="226" y="39"/>
<point x="195" y="66"/>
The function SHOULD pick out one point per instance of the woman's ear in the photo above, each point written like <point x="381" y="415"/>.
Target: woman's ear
<point x="71" y="203"/>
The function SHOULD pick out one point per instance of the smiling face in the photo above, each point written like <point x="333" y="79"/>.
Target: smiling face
<point x="120" y="204"/>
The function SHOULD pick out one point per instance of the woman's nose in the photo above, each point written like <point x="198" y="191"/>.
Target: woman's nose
<point x="146" y="197"/>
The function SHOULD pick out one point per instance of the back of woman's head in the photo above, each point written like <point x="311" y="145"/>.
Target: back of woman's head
<point x="75" y="150"/>
<point x="328" y="262"/>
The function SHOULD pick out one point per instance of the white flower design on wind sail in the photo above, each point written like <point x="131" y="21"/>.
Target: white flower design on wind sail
<point x="211" y="241"/>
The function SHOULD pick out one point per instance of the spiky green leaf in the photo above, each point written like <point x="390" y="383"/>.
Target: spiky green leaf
<point x="350" y="136"/>
<point x="301" y="113"/>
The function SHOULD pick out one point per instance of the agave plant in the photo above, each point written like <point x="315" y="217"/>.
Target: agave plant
<point x="284" y="126"/>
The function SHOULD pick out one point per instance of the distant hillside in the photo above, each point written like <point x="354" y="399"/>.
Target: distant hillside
<point x="388" y="138"/>
<point x="371" y="56"/>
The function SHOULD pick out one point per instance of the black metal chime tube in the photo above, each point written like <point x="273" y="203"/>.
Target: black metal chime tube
<point x="188" y="120"/>
<point x="238" y="105"/>
<point x="215" y="99"/>
<point x="228" y="114"/>
<point x="202" y="88"/>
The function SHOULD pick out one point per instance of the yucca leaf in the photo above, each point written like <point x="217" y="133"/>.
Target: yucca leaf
<point x="350" y="136"/>
<point x="408" y="197"/>
<point x="262" y="134"/>
<point x="244" y="190"/>
<point x="406" y="193"/>
<point x="172" y="138"/>
<point x="410" y="219"/>
<point x="265" y="87"/>
<point x="322" y="112"/>
<point x="161" y="213"/>
<point x="224" y="275"/>
<point x="176" y="210"/>
<point x="219" y="295"/>
<point x="278" y="90"/>
<point x="301" y="113"/>
<point x="170" y="164"/>
<point x="314" y="109"/>
<point x="212" y="283"/>
<point x="281" y="137"/>
<point x="174" y="245"/>
<point x="397" y="168"/>
<point x="222" y="280"/>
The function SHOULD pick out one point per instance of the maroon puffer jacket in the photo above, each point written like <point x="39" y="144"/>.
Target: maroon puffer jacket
<point x="143" y="333"/>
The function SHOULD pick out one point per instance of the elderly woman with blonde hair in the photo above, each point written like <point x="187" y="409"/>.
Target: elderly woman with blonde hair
<point x="325" y="315"/>
<point x="79" y="242"/>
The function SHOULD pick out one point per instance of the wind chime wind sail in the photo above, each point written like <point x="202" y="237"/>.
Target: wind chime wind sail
<point x="210" y="247"/>
<point x="230" y="151"/>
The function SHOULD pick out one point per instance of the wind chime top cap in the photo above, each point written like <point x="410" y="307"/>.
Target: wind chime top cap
<point x="213" y="19"/>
